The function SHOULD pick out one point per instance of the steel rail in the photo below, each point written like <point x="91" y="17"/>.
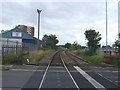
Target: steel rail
<point x="46" y="70"/>
<point x="69" y="73"/>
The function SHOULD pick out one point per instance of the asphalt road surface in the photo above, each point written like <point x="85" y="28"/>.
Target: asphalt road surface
<point x="63" y="72"/>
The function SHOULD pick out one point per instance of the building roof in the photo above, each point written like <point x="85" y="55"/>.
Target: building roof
<point x="21" y="34"/>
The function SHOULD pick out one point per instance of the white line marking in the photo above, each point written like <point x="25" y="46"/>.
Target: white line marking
<point x="45" y="74"/>
<point x="69" y="74"/>
<point x="26" y="70"/>
<point x="106" y="78"/>
<point x="89" y="78"/>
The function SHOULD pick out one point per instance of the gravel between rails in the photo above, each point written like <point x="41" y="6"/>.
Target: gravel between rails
<point x="72" y="60"/>
<point x="45" y="60"/>
<point x="77" y="59"/>
<point x="56" y="60"/>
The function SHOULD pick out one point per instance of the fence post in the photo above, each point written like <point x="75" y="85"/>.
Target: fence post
<point x="2" y="53"/>
<point x="17" y="48"/>
<point x="7" y="46"/>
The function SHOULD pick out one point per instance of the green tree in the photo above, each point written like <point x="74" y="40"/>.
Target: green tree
<point x="117" y="42"/>
<point x="93" y="38"/>
<point x="68" y="45"/>
<point x="50" y="41"/>
<point x="75" y="46"/>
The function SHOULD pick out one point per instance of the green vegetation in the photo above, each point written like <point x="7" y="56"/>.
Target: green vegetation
<point x="93" y="38"/>
<point x="68" y="45"/>
<point x="117" y="42"/>
<point x="37" y="55"/>
<point x="4" y="69"/>
<point x="93" y="59"/>
<point x="74" y="46"/>
<point x="14" y="59"/>
<point x="111" y="60"/>
<point x="50" y="41"/>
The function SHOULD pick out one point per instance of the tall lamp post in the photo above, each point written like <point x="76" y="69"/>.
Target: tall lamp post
<point x="39" y="11"/>
<point x="106" y="25"/>
<point x="106" y="31"/>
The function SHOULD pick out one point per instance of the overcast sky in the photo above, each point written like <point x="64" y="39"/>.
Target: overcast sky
<point x="67" y="20"/>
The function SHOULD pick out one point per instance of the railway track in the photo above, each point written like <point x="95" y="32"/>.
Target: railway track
<point x="59" y="74"/>
<point x="63" y="70"/>
<point x="78" y="59"/>
<point x="58" y="61"/>
<point x="84" y="65"/>
<point x="74" y="60"/>
<point x="66" y="71"/>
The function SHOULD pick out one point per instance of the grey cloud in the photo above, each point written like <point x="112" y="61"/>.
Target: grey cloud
<point x="65" y="19"/>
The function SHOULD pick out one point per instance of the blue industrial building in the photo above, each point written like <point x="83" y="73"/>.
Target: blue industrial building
<point x="22" y="36"/>
<point x="17" y="33"/>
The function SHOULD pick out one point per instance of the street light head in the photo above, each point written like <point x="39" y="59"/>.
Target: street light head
<point x="39" y="10"/>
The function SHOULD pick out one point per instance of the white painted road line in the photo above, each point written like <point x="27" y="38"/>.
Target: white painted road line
<point x="89" y="78"/>
<point x="70" y="74"/>
<point x="105" y="78"/>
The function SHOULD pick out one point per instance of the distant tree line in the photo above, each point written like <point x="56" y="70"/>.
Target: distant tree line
<point x="91" y="36"/>
<point x="74" y="46"/>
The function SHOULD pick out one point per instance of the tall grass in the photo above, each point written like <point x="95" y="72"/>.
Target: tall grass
<point x="13" y="59"/>
<point x="22" y="59"/>
<point x="37" y="55"/>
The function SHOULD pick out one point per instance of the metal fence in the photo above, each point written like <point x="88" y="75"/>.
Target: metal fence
<point x="15" y="47"/>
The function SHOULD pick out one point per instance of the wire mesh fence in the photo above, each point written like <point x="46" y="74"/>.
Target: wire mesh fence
<point x="15" y="48"/>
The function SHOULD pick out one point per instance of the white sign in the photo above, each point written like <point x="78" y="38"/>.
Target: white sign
<point x="17" y="34"/>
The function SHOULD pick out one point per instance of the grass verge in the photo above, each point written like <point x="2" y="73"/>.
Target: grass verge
<point x="93" y="59"/>
<point x="111" y="60"/>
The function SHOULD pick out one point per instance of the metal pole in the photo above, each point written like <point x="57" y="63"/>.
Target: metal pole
<point x="39" y="11"/>
<point x="106" y="25"/>
<point x="106" y="30"/>
<point x="38" y="24"/>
